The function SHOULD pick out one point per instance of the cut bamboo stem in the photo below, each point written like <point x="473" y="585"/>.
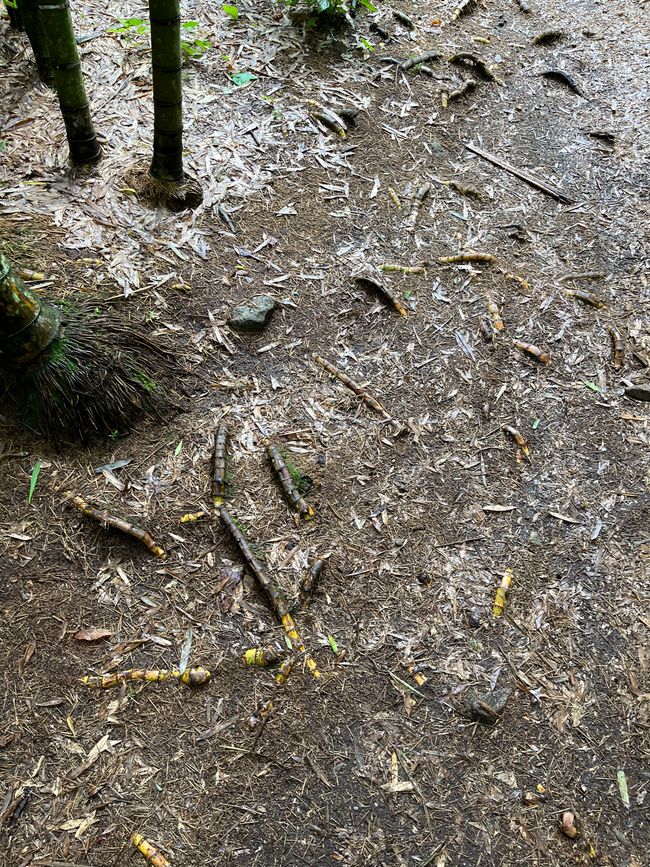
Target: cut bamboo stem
<point x="358" y="389"/>
<point x="219" y="467"/>
<point x="290" y="490"/>
<point x="107" y="520"/>
<point x="275" y="597"/>
<point x="190" y="677"/>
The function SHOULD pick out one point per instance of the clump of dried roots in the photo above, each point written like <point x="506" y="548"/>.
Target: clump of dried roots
<point x="97" y="376"/>
<point x="176" y="196"/>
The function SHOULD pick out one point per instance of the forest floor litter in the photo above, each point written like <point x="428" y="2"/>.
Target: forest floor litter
<point x="377" y="593"/>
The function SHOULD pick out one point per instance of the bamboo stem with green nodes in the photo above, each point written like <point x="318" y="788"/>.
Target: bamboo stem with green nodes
<point x="68" y="81"/>
<point x="166" y="63"/>
<point x="30" y="17"/>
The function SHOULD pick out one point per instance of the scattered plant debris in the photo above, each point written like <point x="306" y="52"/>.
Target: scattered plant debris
<point x="372" y="402"/>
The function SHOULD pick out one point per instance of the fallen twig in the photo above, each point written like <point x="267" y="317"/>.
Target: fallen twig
<point x="107" y="520"/>
<point x="618" y="348"/>
<point x="554" y="192"/>
<point x="466" y="257"/>
<point x="420" y="196"/>
<point x="225" y="217"/>
<point x="404" y="19"/>
<point x="519" y="439"/>
<point x="219" y="466"/>
<point x="410" y="62"/>
<point x="308" y="583"/>
<point x="389" y="267"/>
<point x="275" y="597"/>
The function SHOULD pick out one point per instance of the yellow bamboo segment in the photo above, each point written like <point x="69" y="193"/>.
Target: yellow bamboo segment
<point x="502" y="591"/>
<point x="190" y="677"/>
<point x="152" y="855"/>
<point x="293" y="635"/>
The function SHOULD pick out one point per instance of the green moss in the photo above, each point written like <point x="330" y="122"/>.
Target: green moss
<point x="147" y="383"/>
<point x="58" y="354"/>
<point x="302" y="482"/>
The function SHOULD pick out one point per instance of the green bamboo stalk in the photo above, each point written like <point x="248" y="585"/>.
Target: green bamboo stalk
<point x="15" y="18"/>
<point x="68" y="80"/>
<point x="28" y="325"/>
<point x="31" y="20"/>
<point x="166" y="61"/>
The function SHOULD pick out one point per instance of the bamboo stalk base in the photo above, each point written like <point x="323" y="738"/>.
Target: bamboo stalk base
<point x="96" y="377"/>
<point x="182" y="196"/>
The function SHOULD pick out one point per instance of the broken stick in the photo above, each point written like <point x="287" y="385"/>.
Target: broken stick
<point x="287" y="484"/>
<point x="537" y="183"/>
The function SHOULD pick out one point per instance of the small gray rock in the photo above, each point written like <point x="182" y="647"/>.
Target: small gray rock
<point x="488" y="708"/>
<point x="254" y="315"/>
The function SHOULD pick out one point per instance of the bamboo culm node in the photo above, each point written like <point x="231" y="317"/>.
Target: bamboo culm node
<point x="107" y="520"/>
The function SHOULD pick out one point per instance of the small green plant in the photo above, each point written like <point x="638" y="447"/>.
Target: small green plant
<point x="130" y="26"/>
<point x="232" y="11"/>
<point x="193" y="47"/>
<point x="302" y="482"/>
<point x="315" y="13"/>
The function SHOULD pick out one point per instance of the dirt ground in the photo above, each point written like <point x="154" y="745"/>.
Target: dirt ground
<point x="381" y="761"/>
